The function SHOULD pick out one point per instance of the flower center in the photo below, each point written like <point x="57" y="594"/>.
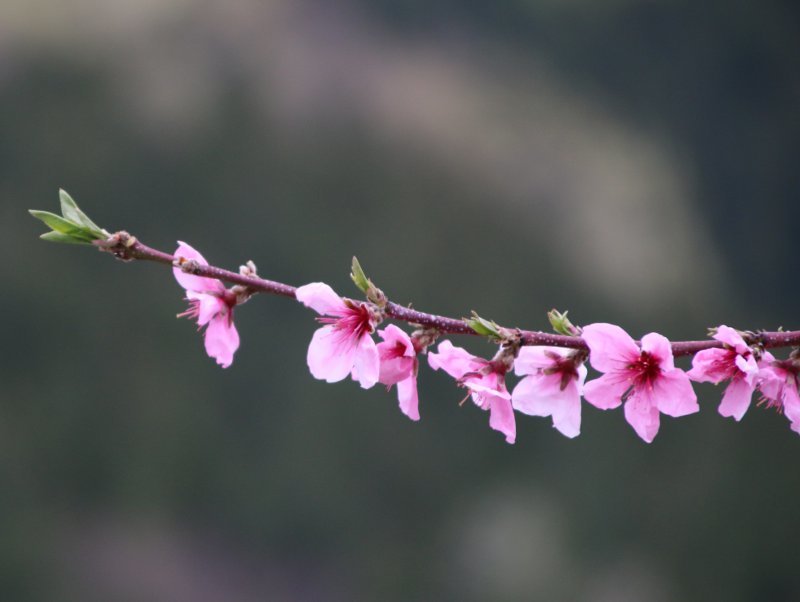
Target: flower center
<point x="355" y="320"/>
<point x="646" y="369"/>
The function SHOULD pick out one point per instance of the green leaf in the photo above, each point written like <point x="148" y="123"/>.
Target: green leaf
<point x="59" y="224"/>
<point x="483" y="327"/>
<point x="54" y="236"/>
<point x="560" y="323"/>
<point x="359" y="277"/>
<point x="71" y="212"/>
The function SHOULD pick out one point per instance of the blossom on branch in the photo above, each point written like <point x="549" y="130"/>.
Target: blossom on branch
<point x="735" y="362"/>
<point x="779" y="386"/>
<point x="398" y="366"/>
<point x="344" y="345"/>
<point x="552" y="386"/>
<point x="211" y="304"/>
<point x="485" y="380"/>
<point x="645" y="379"/>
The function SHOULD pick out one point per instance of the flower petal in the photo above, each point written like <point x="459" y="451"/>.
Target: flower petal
<point x="791" y="404"/>
<point x="567" y="412"/>
<point x="366" y="363"/>
<point x="727" y="335"/>
<point x="537" y="394"/>
<point x="392" y="335"/>
<point x="397" y="355"/>
<point x="736" y="399"/>
<point x="643" y="417"/>
<point x="407" y="396"/>
<point x="606" y="392"/>
<point x="454" y="360"/>
<point x="221" y="340"/>
<point x="191" y="282"/>
<point x="531" y="359"/>
<point x="321" y="298"/>
<point x="208" y="306"/>
<point x="660" y="348"/>
<point x="711" y="366"/>
<point x="748" y="365"/>
<point x="329" y="357"/>
<point x="673" y="394"/>
<point x="501" y="417"/>
<point x="610" y="347"/>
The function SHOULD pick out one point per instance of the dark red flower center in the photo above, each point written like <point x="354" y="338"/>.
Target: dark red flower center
<point x="646" y="369"/>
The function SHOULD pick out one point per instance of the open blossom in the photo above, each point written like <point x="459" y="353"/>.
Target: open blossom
<point x="735" y="362"/>
<point x="485" y="381"/>
<point x="551" y="387"/>
<point x="646" y="379"/>
<point x="211" y="304"/>
<point x="779" y="385"/>
<point x="344" y="345"/>
<point x="398" y="366"/>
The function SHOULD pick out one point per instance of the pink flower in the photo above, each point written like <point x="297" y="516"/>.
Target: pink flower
<point x="735" y="362"/>
<point x="552" y="386"/>
<point x="646" y="379"/>
<point x="211" y="304"/>
<point x="399" y="364"/>
<point x="779" y="384"/>
<point x="344" y="345"/>
<point x="485" y="381"/>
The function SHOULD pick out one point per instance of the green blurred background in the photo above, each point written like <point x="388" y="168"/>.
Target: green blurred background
<point x="632" y="161"/>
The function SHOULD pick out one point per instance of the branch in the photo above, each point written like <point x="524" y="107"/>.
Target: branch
<point x="127" y="248"/>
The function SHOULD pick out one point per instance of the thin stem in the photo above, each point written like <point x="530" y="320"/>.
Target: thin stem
<point x="126" y="247"/>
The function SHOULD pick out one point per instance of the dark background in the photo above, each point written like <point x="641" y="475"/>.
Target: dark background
<point x="632" y="161"/>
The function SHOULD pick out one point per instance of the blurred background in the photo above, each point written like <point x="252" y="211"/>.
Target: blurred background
<point x="632" y="161"/>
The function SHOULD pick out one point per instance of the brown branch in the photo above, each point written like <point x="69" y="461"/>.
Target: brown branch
<point x="127" y="248"/>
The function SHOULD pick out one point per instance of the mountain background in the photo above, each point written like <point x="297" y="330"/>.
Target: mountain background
<point x="632" y="161"/>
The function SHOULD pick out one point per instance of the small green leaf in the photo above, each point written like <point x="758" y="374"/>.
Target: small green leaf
<point x="483" y="327"/>
<point x="71" y="212"/>
<point x="359" y="277"/>
<point x="54" y="236"/>
<point x="561" y="324"/>
<point x="59" y="224"/>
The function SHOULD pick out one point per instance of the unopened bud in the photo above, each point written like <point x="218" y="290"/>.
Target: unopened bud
<point x="561" y="324"/>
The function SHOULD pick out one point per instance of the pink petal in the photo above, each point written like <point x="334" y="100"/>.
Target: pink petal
<point x="673" y="394"/>
<point x="791" y="405"/>
<point x="727" y="335"/>
<point x="736" y="399"/>
<point x="329" y="358"/>
<point x="190" y="282"/>
<point x="710" y="365"/>
<point x="606" y="392"/>
<point x="221" y="340"/>
<point x="392" y="335"/>
<point x="366" y="363"/>
<point x="397" y="355"/>
<point x="407" y="396"/>
<point x="454" y="360"/>
<point x="209" y="306"/>
<point x="610" y="347"/>
<point x="501" y="417"/>
<point x="567" y="413"/>
<point x="321" y="298"/>
<point x="394" y="369"/>
<point x="536" y="395"/>
<point x="748" y="366"/>
<point x="483" y="387"/>
<point x="659" y="347"/>
<point x="532" y="359"/>
<point x="643" y="417"/>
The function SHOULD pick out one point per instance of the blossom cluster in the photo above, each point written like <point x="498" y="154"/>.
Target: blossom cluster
<point x="640" y="376"/>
